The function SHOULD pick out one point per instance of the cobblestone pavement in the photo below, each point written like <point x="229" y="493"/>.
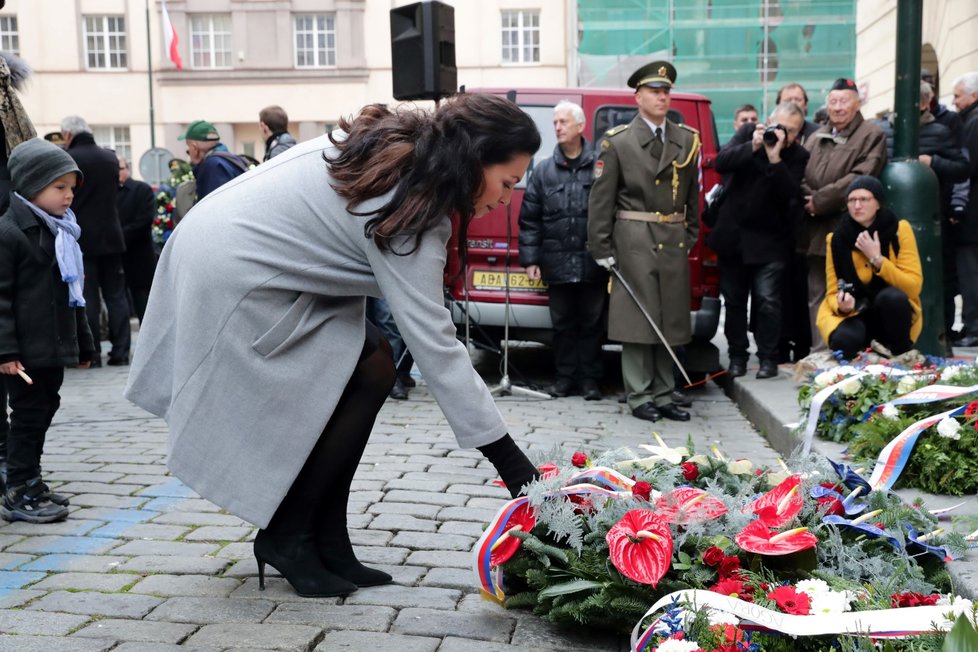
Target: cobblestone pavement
<point x="143" y="564"/>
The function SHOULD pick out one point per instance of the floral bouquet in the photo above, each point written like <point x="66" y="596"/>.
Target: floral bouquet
<point x="731" y="553"/>
<point x="163" y="222"/>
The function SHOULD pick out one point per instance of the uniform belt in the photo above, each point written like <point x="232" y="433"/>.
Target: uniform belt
<point x="641" y="216"/>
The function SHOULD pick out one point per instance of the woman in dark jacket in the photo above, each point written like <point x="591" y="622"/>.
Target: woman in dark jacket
<point x="754" y="234"/>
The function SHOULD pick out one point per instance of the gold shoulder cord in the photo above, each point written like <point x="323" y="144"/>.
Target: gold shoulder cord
<point x="675" y="166"/>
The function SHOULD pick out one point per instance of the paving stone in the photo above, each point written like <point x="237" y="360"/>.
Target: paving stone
<point x="378" y="555"/>
<point x="198" y="518"/>
<point x="360" y="641"/>
<point x="435" y="622"/>
<point x="455" y="644"/>
<point x="470" y="528"/>
<point x="240" y="550"/>
<point x="171" y="488"/>
<point x="277" y="590"/>
<point x="334" y="617"/>
<point x="219" y="533"/>
<point x="369" y="537"/>
<point x="153" y="469"/>
<point x="449" y="578"/>
<point x="74" y="526"/>
<point x="170" y="504"/>
<point x="190" y="585"/>
<point x="136" y="630"/>
<point x="111" y="515"/>
<point x="425" y="498"/>
<point x="9" y="560"/>
<point x="534" y="634"/>
<point x="406" y="596"/>
<point x="212" y="610"/>
<point x="175" y="564"/>
<point x="40" y="623"/>
<point x="81" y="476"/>
<point x="134" y="548"/>
<point x="124" y="530"/>
<point x="105" y="500"/>
<point x="123" y="605"/>
<point x="397" y="522"/>
<point x="440" y="558"/>
<point x="43" y="545"/>
<point x="18" y="598"/>
<point x="163" y="647"/>
<point x="270" y="636"/>
<point x="11" y="643"/>
<point x="425" y="541"/>
<point x="81" y="563"/>
<point x="86" y="581"/>
<point x="110" y="488"/>
<point x="18" y="579"/>
<point x="427" y="484"/>
<point x="410" y="509"/>
<point x="469" y="513"/>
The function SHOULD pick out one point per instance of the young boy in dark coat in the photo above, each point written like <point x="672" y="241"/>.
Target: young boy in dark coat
<point x="42" y="317"/>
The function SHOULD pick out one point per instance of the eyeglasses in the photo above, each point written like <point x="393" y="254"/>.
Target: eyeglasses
<point x="859" y="200"/>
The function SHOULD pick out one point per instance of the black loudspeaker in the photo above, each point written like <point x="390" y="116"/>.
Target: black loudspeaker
<point x="423" y="51"/>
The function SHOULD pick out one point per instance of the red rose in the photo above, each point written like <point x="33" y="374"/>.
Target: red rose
<point x="690" y="471"/>
<point x="712" y="556"/>
<point x="791" y="601"/>
<point x="729" y="567"/>
<point x="579" y="459"/>
<point x="642" y="490"/>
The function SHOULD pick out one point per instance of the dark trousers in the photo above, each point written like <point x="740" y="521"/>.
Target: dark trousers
<point x="31" y="409"/>
<point x="796" y="333"/>
<point x="967" y="259"/>
<point x="4" y="422"/>
<point x="576" y="310"/>
<point x="887" y="320"/>
<point x="950" y="277"/>
<point x="379" y="314"/>
<point x="105" y="274"/>
<point x="762" y="283"/>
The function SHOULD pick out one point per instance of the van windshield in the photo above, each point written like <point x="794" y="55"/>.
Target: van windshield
<point x="543" y="116"/>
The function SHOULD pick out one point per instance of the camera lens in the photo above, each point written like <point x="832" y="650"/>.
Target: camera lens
<point x="769" y="137"/>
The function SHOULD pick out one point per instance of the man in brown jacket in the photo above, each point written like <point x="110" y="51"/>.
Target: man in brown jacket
<point x="842" y="150"/>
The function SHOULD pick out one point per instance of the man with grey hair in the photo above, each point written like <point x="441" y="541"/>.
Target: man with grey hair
<point x="102" y="242"/>
<point x="553" y="235"/>
<point x="964" y="224"/>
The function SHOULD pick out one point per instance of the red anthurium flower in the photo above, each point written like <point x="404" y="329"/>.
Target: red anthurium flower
<point x="778" y="506"/>
<point x="712" y="556"/>
<point x="506" y="545"/>
<point x="791" y="601"/>
<point x="760" y="539"/>
<point x="640" y="546"/>
<point x="687" y="504"/>
<point x="642" y="490"/>
<point x="690" y="471"/>
<point x="579" y="459"/>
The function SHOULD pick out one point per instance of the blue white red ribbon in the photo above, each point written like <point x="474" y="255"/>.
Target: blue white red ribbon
<point x="893" y="458"/>
<point x="930" y="394"/>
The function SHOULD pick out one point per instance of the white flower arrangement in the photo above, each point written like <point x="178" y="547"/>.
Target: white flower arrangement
<point x="890" y="412"/>
<point x="906" y="385"/>
<point x="675" y="645"/>
<point x="949" y="428"/>
<point x="851" y="387"/>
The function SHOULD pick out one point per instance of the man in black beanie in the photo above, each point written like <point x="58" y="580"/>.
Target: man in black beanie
<point x="842" y="150"/>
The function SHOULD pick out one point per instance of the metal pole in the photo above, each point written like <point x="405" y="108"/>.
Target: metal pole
<point x="906" y="128"/>
<point x="149" y="76"/>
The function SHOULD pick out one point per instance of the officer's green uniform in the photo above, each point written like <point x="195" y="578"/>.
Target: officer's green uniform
<point x="644" y="211"/>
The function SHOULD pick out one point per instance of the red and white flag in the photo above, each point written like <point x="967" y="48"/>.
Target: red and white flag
<point x="170" y="38"/>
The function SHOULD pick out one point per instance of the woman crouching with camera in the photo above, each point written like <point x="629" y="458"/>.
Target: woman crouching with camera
<point x="876" y="268"/>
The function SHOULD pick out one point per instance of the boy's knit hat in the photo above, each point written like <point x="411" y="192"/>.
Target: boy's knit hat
<point x="36" y="163"/>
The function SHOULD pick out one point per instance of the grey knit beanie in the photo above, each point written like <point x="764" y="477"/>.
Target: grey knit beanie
<point x="36" y="163"/>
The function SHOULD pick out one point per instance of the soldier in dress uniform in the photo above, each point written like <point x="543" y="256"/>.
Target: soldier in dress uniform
<point x="643" y="216"/>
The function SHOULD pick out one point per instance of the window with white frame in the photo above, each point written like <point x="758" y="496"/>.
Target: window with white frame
<point x="116" y="138"/>
<point x="521" y="36"/>
<point x="210" y="41"/>
<point x="105" y="42"/>
<point x="9" y="40"/>
<point x="315" y="40"/>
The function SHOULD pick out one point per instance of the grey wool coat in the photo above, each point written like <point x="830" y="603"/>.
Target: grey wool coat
<point x="256" y="321"/>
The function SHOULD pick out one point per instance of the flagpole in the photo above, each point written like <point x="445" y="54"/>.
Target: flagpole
<point x="149" y="75"/>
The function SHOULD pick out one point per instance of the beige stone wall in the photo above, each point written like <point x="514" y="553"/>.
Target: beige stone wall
<point x="948" y="42"/>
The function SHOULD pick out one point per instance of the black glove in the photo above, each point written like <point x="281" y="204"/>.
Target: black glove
<point x="512" y="464"/>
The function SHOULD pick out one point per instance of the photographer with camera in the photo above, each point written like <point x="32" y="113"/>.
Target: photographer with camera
<point x="873" y="262"/>
<point x="754" y="234"/>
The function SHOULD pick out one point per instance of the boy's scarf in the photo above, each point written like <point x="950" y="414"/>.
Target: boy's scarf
<point x="844" y="242"/>
<point x="66" y="233"/>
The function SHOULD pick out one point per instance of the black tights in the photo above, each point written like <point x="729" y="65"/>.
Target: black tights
<point x="887" y="320"/>
<point x="323" y="485"/>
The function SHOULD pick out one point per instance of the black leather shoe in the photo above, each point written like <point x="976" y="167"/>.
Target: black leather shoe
<point x="769" y="369"/>
<point x="737" y="369"/>
<point x="563" y="387"/>
<point x="681" y="398"/>
<point x="590" y="390"/>
<point x="407" y="380"/>
<point x="118" y="362"/>
<point x="967" y="341"/>
<point x="672" y="412"/>
<point x="399" y="391"/>
<point x="647" y="411"/>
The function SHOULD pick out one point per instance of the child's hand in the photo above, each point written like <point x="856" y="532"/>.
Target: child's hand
<point x="11" y="368"/>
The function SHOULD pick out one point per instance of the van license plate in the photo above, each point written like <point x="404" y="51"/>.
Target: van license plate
<point x="518" y="281"/>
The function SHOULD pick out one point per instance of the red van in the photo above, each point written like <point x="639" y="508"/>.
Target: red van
<point x="493" y="247"/>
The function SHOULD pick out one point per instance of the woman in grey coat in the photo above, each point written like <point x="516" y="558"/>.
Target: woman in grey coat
<point x="255" y="348"/>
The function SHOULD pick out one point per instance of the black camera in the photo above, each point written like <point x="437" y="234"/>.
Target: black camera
<point x="771" y="138"/>
<point x="862" y="303"/>
<point x="846" y="287"/>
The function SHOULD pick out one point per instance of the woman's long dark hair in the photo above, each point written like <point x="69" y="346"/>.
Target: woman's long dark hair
<point x="433" y="161"/>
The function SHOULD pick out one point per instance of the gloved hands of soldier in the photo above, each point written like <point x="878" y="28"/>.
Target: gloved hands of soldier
<point x="606" y="263"/>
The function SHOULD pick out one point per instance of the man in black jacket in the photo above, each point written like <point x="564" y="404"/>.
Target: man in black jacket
<point x="101" y="239"/>
<point x="553" y="235"/>
<point x="754" y="234"/>
<point x="965" y="224"/>
<point x="137" y="207"/>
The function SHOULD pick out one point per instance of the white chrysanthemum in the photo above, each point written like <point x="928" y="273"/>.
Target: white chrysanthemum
<point x="949" y="428"/>
<point x="950" y="373"/>
<point x="825" y="378"/>
<point x="906" y="385"/>
<point x="851" y="387"/>
<point x="674" y="645"/>
<point x="890" y="412"/>
<point x="830" y="602"/>
<point x="812" y="587"/>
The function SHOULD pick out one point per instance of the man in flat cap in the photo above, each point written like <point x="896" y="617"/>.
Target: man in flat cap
<point x="643" y="216"/>
<point x="842" y="150"/>
<point x="213" y="164"/>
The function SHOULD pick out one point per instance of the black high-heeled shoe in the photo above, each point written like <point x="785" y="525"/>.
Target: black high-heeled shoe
<point x="336" y="553"/>
<point x="297" y="559"/>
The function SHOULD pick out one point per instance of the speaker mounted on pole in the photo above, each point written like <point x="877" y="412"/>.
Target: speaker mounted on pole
<point x="423" y="51"/>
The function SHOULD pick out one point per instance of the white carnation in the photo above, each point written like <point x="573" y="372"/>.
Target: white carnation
<point x="825" y="378"/>
<point x="675" y="645"/>
<point x="906" y="385"/>
<point x="812" y="587"/>
<point x="851" y="387"/>
<point x="949" y="428"/>
<point x="890" y="412"/>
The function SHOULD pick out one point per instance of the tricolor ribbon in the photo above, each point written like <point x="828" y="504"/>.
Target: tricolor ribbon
<point x="893" y="458"/>
<point x="930" y="394"/>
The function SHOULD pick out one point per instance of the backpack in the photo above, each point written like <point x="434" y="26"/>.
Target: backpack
<point x="186" y="193"/>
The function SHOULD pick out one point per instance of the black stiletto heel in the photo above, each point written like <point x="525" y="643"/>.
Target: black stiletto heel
<point x="297" y="559"/>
